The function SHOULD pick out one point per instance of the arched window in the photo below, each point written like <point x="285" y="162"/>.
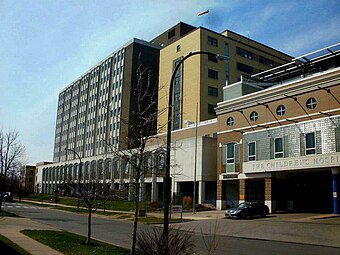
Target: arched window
<point x="281" y="110"/>
<point x="161" y="162"/>
<point x="311" y="103"/>
<point x="254" y="116"/>
<point x="230" y="121"/>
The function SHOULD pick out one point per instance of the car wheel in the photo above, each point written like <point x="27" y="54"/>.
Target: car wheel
<point x="243" y="215"/>
<point x="264" y="214"/>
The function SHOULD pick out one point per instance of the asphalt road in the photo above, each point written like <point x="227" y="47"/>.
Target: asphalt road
<point x="119" y="232"/>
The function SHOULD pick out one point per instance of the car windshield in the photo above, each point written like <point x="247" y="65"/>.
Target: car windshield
<point x="242" y="205"/>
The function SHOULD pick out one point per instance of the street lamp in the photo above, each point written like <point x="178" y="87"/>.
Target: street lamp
<point x="167" y="183"/>
<point x="79" y="175"/>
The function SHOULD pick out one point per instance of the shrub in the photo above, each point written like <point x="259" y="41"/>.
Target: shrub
<point x="153" y="242"/>
<point x="187" y="202"/>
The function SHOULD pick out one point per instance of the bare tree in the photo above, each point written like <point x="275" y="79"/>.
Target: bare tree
<point x="142" y="124"/>
<point x="11" y="154"/>
<point x="94" y="190"/>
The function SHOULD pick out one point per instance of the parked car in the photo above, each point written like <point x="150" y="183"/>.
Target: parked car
<point x="247" y="209"/>
<point x="8" y="197"/>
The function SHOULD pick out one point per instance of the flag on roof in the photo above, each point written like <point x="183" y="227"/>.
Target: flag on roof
<point x="202" y="13"/>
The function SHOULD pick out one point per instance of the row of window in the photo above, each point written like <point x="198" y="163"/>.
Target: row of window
<point x="311" y="104"/>
<point x="244" y="53"/>
<point x="278" y="148"/>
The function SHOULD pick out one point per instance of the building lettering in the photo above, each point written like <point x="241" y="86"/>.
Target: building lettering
<point x="293" y="163"/>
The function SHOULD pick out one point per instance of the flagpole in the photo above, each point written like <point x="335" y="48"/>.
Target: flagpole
<point x="209" y="21"/>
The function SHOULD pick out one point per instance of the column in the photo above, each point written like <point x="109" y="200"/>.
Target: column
<point x="131" y="184"/>
<point x="142" y="188"/>
<point x="201" y="192"/>
<point x="121" y="174"/>
<point x="154" y="186"/>
<point x="242" y="190"/>
<point x="269" y="200"/>
<point x="220" y="203"/>
<point x="112" y="173"/>
<point x="335" y="185"/>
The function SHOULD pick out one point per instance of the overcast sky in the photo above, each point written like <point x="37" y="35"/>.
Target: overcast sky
<point x="45" y="45"/>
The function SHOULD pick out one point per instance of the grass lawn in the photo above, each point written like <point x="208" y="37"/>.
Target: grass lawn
<point x="7" y="214"/>
<point x="119" y="205"/>
<point x="72" y="244"/>
<point x="9" y="248"/>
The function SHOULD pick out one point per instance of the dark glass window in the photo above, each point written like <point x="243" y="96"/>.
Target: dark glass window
<point x="212" y="41"/>
<point x="245" y="68"/>
<point x="310" y="143"/>
<point x="311" y="103"/>
<point x="178" y="48"/>
<point x="212" y="58"/>
<point x="212" y="74"/>
<point x="177" y="99"/>
<point x="230" y="121"/>
<point x="161" y="161"/>
<point x="252" y="151"/>
<point x="171" y="33"/>
<point x="281" y="110"/>
<point x="211" y="108"/>
<point x="230" y="153"/>
<point x="266" y="61"/>
<point x="254" y="116"/>
<point x="212" y="91"/>
<point x="244" y="53"/>
<point x="278" y="147"/>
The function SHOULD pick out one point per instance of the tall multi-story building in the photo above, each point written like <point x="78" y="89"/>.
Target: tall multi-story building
<point x="201" y="78"/>
<point x="27" y="178"/>
<point x="91" y="108"/>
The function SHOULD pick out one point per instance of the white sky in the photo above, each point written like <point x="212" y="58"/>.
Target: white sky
<point x="45" y="45"/>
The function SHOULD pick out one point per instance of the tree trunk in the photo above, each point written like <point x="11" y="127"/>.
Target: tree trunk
<point x="88" y="241"/>
<point x="2" y="188"/>
<point x="1" y="197"/>
<point x="135" y="222"/>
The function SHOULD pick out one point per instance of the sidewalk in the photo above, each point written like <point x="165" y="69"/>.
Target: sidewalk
<point x="10" y="227"/>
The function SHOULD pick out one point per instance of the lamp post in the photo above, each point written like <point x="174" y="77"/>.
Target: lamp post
<point x="167" y="180"/>
<point x="79" y="175"/>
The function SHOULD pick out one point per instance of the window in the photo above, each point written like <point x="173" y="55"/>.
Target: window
<point x="266" y="61"/>
<point x="281" y="110"/>
<point x="212" y="58"/>
<point x="310" y="144"/>
<point x="212" y="91"/>
<point x="244" y="53"/>
<point x="245" y="68"/>
<point x="211" y="108"/>
<point x="252" y="151"/>
<point x="254" y="116"/>
<point x="230" y="153"/>
<point x="178" y="48"/>
<point x="230" y="158"/>
<point x="311" y="103"/>
<point x="278" y="147"/>
<point x="212" y="74"/>
<point x="161" y="161"/>
<point x="171" y="33"/>
<point x="212" y="41"/>
<point x="230" y="121"/>
<point x="177" y="98"/>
